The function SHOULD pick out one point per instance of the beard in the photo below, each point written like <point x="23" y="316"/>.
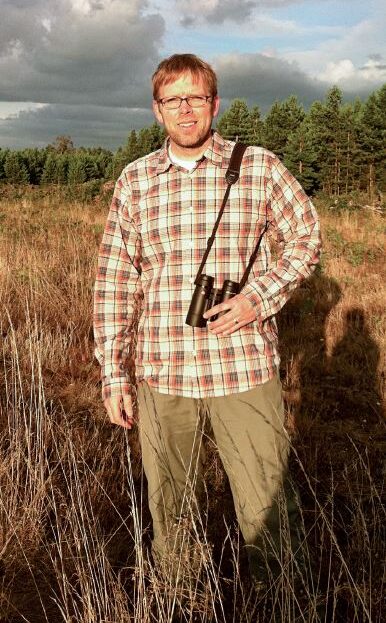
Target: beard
<point x="194" y="142"/>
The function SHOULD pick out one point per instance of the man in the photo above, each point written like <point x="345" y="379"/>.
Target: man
<point x="162" y="213"/>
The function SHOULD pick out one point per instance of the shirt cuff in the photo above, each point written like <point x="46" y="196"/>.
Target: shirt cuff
<point x="116" y="386"/>
<point x="252" y="292"/>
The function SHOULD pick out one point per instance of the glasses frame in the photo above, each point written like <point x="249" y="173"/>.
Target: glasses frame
<point x="163" y="100"/>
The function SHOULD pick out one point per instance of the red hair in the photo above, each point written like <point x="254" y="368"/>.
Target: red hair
<point x="171" y="68"/>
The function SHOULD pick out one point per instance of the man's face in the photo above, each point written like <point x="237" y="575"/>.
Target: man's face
<point x="189" y="128"/>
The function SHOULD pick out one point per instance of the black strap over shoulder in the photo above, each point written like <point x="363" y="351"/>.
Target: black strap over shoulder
<point x="233" y="172"/>
<point x="231" y="176"/>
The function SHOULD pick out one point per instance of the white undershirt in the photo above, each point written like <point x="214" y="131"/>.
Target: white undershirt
<point x="185" y="164"/>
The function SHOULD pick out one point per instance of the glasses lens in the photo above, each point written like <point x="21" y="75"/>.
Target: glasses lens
<point x="196" y="102"/>
<point x="172" y="103"/>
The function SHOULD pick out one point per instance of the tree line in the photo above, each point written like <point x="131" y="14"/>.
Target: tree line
<point x="333" y="147"/>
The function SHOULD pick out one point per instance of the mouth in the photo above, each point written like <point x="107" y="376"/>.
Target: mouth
<point x="189" y="124"/>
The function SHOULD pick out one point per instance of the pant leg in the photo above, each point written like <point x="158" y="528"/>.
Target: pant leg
<point x="172" y="456"/>
<point x="253" y="445"/>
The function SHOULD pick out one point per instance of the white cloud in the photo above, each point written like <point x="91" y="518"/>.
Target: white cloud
<point x="352" y="60"/>
<point x="346" y="74"/>
<point x="374" y="69"/>
<point x="13" y="109"/>
<point x="220" y="11"/>
<point x="337" y="71"/>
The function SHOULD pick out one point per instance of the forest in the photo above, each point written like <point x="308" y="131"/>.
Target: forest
<point x="334" y="147"/>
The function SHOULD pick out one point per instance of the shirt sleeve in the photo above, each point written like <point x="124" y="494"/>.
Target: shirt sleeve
<point x="117" y="292"/>
<point x="295" y="223"/>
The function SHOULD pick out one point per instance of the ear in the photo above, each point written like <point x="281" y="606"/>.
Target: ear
<point x="157" y="113"/>
<point x="215" y="105"/>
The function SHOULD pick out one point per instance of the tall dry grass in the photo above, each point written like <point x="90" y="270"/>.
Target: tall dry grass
<point x="74" y="523"/>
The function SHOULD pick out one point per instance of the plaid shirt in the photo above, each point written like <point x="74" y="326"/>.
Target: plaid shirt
<point x="156" y="233"/>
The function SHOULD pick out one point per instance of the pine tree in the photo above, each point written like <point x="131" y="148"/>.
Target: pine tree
<point x="132" y="148"/>
<point x="103" y="159"/>
<point x="150" y="139"/>
<point x="373" y="142"/>
<point x="235" y="123"/>
<point x="62" y="165"/>
<point x="3" y="156"/>
<point x="15" y="168"/>
<point x="50" y="171"/>
<point x="350" y="162"/>
<point x="283" y="119"/>
<point x="328" y="139"/>
<point x="77" y="171"/>
<point x="334" y="139"/>
<point x="300" y="157"/>
<point x="34" y="160"/>
<point x="257" y="125"/>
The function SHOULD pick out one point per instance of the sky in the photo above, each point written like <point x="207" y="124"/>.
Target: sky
<point x="82" y="68"/>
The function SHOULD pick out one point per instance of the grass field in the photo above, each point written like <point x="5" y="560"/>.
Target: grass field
<point x="74" y="522"/>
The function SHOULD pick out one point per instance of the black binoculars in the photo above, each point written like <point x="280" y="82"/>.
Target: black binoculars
<point x="205" y="296"/>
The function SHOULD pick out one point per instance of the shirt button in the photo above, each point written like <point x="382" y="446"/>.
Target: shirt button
<point x="191" y="208"/>
<point x="190" y="244"/>
<point x="191" y="280"/>
<point x="194" y="353"/>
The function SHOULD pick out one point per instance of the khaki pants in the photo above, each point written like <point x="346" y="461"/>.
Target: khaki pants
<point x="253" y="445"/>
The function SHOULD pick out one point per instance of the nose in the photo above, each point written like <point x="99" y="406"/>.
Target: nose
<point x="185" y="107"/>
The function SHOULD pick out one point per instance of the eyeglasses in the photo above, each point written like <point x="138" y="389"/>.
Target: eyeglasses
<point x="195" y="101"/>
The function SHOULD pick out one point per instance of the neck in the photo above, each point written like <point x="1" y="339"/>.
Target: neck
<point x="189" y="153"/>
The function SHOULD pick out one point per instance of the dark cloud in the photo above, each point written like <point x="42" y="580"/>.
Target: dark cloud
<point x="88" y="126"/>
<point x="377" y="67"/>
<point x="57" y="53"/>
<point x="257" y="78"/>
<point x="262" y="79"/>
<point x="88" y="61"/>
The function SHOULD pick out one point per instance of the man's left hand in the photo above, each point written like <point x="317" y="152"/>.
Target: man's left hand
<point x="239" y="312"/>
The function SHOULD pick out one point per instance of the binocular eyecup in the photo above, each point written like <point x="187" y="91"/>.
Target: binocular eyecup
<point x="205" y="296"/>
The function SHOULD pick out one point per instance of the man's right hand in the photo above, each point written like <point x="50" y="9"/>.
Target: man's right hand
<point x="120" y="410"/>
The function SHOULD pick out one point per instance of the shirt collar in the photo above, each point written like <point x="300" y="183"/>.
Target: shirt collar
<point x="218" y="152"/>
<point x="164" y="162"/>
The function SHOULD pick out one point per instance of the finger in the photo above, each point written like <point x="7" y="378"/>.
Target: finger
<point x="241" y="322"/>
<point x="226" y="319"/>
<point x="236" y="326"/>
<point x="226" y="306"/>
<point x="127" y="414"/>
<point x="231" y="323"/>
<point x="223" y="328"/>
<point x="112" y="406"/>
<point x="114" y="410"/>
